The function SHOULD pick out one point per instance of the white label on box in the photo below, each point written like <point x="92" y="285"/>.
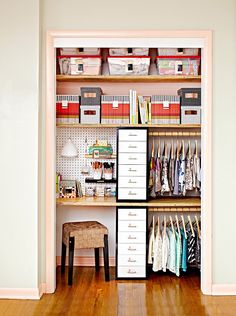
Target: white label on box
<point x="64" y="104"/>
<point x="166" y="104"/>
<point x="115" y="104"/>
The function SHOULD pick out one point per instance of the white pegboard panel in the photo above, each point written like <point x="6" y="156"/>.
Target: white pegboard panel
<point x="70" y="168"/>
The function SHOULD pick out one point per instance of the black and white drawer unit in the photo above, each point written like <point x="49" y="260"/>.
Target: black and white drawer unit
<point x="132" y="151"/>
<point x="131" y="242"/>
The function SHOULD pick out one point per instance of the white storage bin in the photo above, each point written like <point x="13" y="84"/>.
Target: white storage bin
<point x="80" y="65"/>
<point x="184" y="65"/>
<point x="177" y="51"/>
<point x="128" y="65"/>
<point x="129" y="51"/>
<point x="79" y="51"/>
<point x="90" y="114"/>
<point x="190" y="115"/>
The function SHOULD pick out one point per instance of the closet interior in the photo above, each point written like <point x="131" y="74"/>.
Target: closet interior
<point x="129" y="137"/>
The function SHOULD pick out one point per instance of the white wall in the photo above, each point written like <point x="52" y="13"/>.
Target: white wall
<point x="19" y="34"/>
<point x="216" y="15"/>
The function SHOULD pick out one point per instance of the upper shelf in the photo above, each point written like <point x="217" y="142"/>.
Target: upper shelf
<point x="107" y="78"/>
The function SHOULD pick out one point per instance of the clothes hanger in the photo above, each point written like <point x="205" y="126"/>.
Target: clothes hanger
<point x="153" y="147"/>
<point x="159" y="148"/>
<point x="164" y="225"/>
<point x="196" y="148"/>
<point x="191" y="226"/>
<point x="184" y="227"/>
<point x="166" y="150"/>
<point x="172" y="149"/>
<point x="177" y="224"/>
<point x="183" y="149"/>
<point x="158" y="225"/>
<point x="198" y="227"/>
<point x="189" y="149"/>
<point x="172" y="226"/>
<point x="177" y="149"/>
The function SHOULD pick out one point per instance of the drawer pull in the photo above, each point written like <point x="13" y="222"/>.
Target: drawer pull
<point x="131" y="272"/>
<point x="132" y="170"/>
<point x="131" y="146"/>
<point x="133" y="135"/>
<point x="130" y="237"/>
<point x="132" y="249"/>
<point x="132" y="158"/>
<point x="132" y="260"/>
<point x="130" y="181"/>
<point x="132" y="214"/>
<point x="132" y="193"/>
<point x="132" y="226"/>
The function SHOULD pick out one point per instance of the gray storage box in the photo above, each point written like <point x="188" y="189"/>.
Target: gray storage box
<point x="91" y="95"/>
<point x="90" y="114"/>
<point x="190" y="115"/>
<point x="190" y="96"/>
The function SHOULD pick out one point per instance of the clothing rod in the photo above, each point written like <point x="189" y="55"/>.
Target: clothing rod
<point x="174" y="209"/>
<point x="180" y="134"/>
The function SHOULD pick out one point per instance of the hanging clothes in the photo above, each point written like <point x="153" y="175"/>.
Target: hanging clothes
<point x="171" y="261"/>
<point x="157" y="251"/>
<point x="176" y="178"/>
<point x="196" y="172"/>
<point x="165" y="250"/>
<point x="178" y="253"/>
<point x="184" y="251"/>
<point x="191" y="244"/>
<point x="151" y="244"/>
<point x="172" y="173"/>
<point x="182" y="186"/>
<point x="189" y="174"/>
<point x="164" y="176"/>
<point x="157" y="182"/>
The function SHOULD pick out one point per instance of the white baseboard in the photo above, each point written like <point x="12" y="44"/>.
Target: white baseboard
<point x="223" y="289"/>
<point x="87" y="261"/>
<point x="42" y="289"/>
<point x="20" y="293"/>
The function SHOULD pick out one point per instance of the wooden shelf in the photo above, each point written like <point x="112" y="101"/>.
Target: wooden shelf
<point x="107" y="78"/>
<point x="167" y="126"/>
<point x="100" y="157"/>
<point x="186" y="204"/>
<point x="91" y="180"/>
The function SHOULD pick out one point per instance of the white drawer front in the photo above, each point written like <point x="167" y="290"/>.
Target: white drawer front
<point x="132" y="171"/>
<point x="132" y="226"/>
<point x="131" y="237"/>
<point x="132" y="260"/>
<point x="132" y="214"/>
<point x="132" y="194"/>
<point x="132" y="182"/>
<point x="132" y="147"/>
<point x="135" y="249"/>
<point x="132" y="135"/>
<point x="133" y="159"/>
<point x="131" y="272"/>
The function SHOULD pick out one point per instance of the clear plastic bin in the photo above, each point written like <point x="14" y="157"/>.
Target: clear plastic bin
<point x="188" y="65"/>
<point x="129" y="65"/>
<point x="79" y="51"/>
<point x="80" y="65"/>
<point x="178" y="51"/>
<point x="129" y="51"/>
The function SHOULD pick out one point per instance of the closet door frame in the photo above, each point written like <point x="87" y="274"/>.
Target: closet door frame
<point x="138" y="38"/>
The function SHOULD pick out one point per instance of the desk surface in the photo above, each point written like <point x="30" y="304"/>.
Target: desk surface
<point x="188" y="203"/>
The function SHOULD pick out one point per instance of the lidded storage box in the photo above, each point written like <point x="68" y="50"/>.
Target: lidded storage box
<point x="190" y="96"/>
<point x="79" y="51"/>
<point x="165" y="109"/>
<point x="67" y="109"/>
<point x="129" y="51"/>
<point x="177" y="51"/>
<point x="90" y="114"/>
<point x="91" y="95"/>
<point x="115" y="109"/>
<point x="178" y="65"/>
<point x="129" y="65"/>
<point x="190" y="114"/>
<point x="80" y="65"/>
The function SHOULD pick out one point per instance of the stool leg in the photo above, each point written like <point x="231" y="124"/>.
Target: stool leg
<point x="63" y="257"/>
<point x="106" y="258"/>
<point x="71" y="259"/>
<point x="96" y="251"/>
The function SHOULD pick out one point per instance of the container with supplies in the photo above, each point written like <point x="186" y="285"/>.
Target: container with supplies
<point x="67" y="109"/>
<point x="79" y="51"/>
<point x="190" y="96"/>
<point x="177" y="51"/>
<point x="165" y="109"/>
<point x="90" y="114"/>
<point x="80" y="65"/>
<point x="91" y="95"/>
<point x="129" y="65"/>
<point x="190" y="114"/>
<point x="124" y="51"/>
<point x="178" y="65"/>
<point x="115" y="109"/>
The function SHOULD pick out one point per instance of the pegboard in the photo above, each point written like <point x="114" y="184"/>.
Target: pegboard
<point x="70" y="168"/>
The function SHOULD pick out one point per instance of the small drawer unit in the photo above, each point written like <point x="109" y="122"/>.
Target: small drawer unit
<point x="190" y="115"/>
<point x="132" y="151"/>
<point x="131" y="242"/>
<point x="67" y="109"/>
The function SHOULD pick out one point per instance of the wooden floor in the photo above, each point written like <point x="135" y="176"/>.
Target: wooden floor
<point x="90" y="295"/>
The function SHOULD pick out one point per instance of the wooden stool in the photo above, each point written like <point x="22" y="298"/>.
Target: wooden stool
<point x="81" y="235"/>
